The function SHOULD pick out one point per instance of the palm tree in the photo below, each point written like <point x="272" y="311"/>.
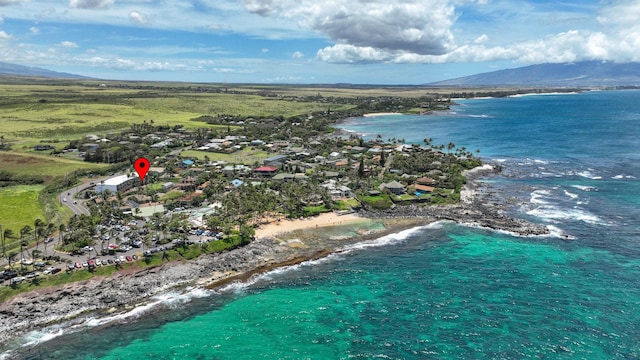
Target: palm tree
<point x="38" y="226"/>
<point x="23" y="232"/>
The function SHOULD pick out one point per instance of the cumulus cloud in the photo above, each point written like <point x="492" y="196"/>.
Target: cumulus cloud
<point x="297" y="55"/>
<point x="138" y="17"/>
<point x="481" y="39"/>
<point x="90" y="4"/>
<point x="69" y="44"/>
<point x="11" y="2"/>
<point x="4" y="36"/>
<point x="34" y="30"/>
<point x="418" y="26"/>
<point x="265" y="50"/>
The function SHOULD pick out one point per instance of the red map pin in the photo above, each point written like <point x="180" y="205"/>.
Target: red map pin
<point x="142" y="167"/>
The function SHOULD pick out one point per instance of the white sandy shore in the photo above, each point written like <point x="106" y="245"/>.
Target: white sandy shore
<point x="284" y="226"/>
<point x="381" y="114"/>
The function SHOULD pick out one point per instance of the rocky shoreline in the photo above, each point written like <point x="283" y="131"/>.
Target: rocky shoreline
<point x="125" y="290"/>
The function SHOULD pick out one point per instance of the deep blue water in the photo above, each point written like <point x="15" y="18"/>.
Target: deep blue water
<point x="447" y="291"/>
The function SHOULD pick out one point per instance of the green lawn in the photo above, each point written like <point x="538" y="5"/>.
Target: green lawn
<point x="247" y="156"/>
<point x="19" y="206"/>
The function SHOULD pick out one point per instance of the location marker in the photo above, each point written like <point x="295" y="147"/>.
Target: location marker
<point x="142" y="167"/>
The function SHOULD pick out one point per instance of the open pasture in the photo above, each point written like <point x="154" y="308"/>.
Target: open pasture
<point x="19" y="206"/>
<point x="41" y="165"/>
<point x="66" y="112"/>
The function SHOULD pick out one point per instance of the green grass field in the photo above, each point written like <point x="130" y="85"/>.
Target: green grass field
<point x="66" y="112"/>
<point x="244" y="156"/>
<point x="19" y="206"/>
<point x="45" y="165"/>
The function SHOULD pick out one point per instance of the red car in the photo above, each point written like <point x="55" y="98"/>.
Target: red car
<point x="78" y="265"/>
<point x="129" y="258"/>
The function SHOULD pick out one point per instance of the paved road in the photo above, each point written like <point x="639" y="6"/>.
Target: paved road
<point x="68" y="197"/>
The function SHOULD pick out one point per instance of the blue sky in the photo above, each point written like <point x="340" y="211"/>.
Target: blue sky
<point x="312" y="41"/>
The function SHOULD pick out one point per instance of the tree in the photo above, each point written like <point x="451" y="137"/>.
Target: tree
<point x="26" y="230"/>
<point x="6" y="234"/>
<point x="38" y="229"/>
<point x="11" y="257"/>
<point x="361" y="168"/>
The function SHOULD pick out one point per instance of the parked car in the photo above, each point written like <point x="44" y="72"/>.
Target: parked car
<point x="51" y="270"/>
<point x="78" y="265"/>
<point x="18" y="280"/>
<point x="98" y="262"/>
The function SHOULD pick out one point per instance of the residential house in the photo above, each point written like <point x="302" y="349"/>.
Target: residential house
<point x="265" y="171"/>
<point x="394" y="187"/>
<point x="275" y="160"/>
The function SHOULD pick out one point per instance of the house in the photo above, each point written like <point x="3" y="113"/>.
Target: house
<point x="235" y="169"/>
<point x="394" y="187"/>
<point x="43" y="147"/>
<point x="290" y="177"/>
<point x="336" y="190"/>
<point x="266" y="171"/>
<point x="424" y="188"/>
<point x="274" y="160"/>
<point x="425" y="181"/>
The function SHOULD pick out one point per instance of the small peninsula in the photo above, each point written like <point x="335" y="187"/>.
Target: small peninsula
<point x="226" y="197"/>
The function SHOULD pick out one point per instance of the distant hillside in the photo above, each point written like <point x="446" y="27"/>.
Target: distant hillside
<point x="586" y="73"/>
<point x="19" y="70"/>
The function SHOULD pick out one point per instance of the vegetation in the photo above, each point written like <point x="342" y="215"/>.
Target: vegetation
<point x="43" y="141"/>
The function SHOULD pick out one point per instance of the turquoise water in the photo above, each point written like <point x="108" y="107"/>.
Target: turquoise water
<point x="446" y="291"/>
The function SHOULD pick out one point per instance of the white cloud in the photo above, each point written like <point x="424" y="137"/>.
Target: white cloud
<point x="34" y="30"/>
<point x="138" y="17"/>
<point x="419" y="26"/>
<point x="4" y="36"/>
<point x="90" y="4"/>
<point x="297" y="55"/>
<point x="265" y="50"/>
<point x="343" y="53"/>
<point x="69" y="44"/>
<point x="481" y="39"/>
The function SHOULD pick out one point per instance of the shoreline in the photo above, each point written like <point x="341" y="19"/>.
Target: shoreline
<point x="382" y="114"/>
<point x="276" y="246"/>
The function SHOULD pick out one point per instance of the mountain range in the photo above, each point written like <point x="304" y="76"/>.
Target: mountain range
<point x="20" y="70"/>
<point x="585" y="73"/>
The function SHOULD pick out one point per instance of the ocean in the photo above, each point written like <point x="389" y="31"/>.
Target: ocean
<point x="443" y="291"/>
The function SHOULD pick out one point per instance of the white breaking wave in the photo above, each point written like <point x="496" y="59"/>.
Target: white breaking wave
<point x="586" y="174"/>
<point x="170" y="299"/>
<point x="585" y="188"/>
<point x="571" y="195"/>
<point x="239" y="286"/>
<point x="542" y="94"/>
<point x="556" y="214"/>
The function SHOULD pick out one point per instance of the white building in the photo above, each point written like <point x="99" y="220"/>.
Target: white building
<point x="120" y="183"/>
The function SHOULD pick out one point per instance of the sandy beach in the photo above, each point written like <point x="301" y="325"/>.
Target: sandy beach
<point x="323" y="220"/>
